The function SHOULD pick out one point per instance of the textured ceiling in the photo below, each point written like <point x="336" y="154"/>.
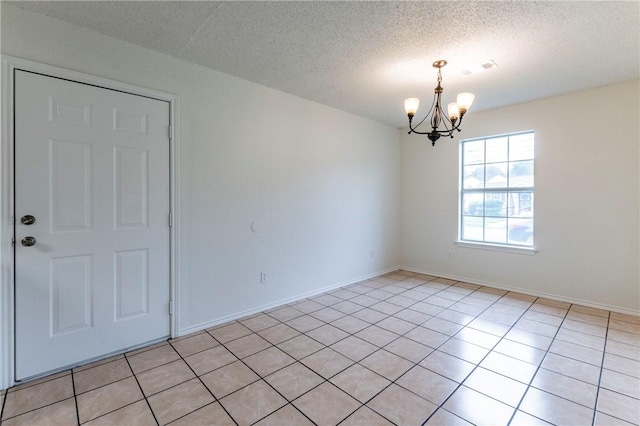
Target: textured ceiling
<point x="366" y="57"/>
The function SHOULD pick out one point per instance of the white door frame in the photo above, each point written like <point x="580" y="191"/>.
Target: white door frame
<point x="7" y="273"/>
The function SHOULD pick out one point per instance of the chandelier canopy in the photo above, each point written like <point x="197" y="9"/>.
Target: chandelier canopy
<point x="450" y="122"/>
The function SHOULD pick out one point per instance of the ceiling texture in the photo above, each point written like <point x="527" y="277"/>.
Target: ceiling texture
<point x="367" y="57"/>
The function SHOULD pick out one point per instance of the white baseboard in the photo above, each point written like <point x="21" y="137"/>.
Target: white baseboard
<point x="525" y="291"/>
<point x="262" y="308"/>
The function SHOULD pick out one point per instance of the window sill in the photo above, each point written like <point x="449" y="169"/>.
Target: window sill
<point x="497" y="247"/>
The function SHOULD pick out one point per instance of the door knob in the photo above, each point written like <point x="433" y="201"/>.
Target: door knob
<point x="27" y="220"/>
<point x="28" y="241"/>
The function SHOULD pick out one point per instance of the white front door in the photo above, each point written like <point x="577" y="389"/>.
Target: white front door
<point x="92" y="270"/>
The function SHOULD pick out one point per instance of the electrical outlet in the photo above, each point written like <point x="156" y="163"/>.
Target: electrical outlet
<point x="263" y="277"/>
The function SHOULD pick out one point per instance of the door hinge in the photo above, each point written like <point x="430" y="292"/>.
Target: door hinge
<point x="170" y="220"/>
<point x="170" y="132"/>
<point x="170" y="307"/>
<point x="13" y="242"/>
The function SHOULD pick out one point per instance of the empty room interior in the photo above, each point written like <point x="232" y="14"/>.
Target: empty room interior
<point x="298" y="213"/>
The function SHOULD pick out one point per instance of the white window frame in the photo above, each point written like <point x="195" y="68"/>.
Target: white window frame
<point x="483" y="244"/>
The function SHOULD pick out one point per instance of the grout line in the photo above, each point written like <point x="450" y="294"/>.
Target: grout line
<point x="141" y="391"/>
<point x="604" y="352"/>
<point x="75" y="396"/>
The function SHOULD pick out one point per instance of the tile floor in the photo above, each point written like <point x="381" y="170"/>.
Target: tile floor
<point x="404" y="348"/>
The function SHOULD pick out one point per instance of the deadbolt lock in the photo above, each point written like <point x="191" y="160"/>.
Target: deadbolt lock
<point x="27" y="220"/>
<point x="28" y="241"/>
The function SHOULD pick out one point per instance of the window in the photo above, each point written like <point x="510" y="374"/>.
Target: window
<point x="496" y="195"/>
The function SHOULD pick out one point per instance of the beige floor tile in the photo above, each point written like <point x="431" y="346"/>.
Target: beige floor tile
<point x="327" y="314"/>
<point x="497" y="386"/>
<point x="180" y="400"/>
<point x="195" y="344"/>
<point x="444" y="418"/>
<point x="163" y="377"/>
<point x="536" y="327"/>
<point x="60" y="413"/>
<point x="285" y="313"/>
<point x="429" y="309"/>
<point x="411" y="316"/>
<point x="103" y="374"/>
<point x="38" y="381"/>
<point x="278" y="333"/>
<point x="259" y="322"/>
<point x="396" y="325"/>
<point x="304" y="323"/>
<point x="287" y="415"/>
<point x="618" y="405"/>
<point x="580" y="353"/>
<point x="554" y="409"/>
<point x="230" y="378"/>
<point x="509" y="367"/>
<point x="547" y="309"/>
<point x="347" y="307"/>
<point x="379" y="295"/>
<point x="530" y="339"/>
<point x="359" y="382"/>
<point x="350" y="324"/>
<point x="584" y="327"/>
<point x="634" y="319"/>
<point x="365" y="416"/>
<point x="300" y="346"/>
<point x="588" y="310"/>
<point x="327" y="299"/>
<point x="268" y="361"/>
<point x="315" y="402"/>
<point x="209" y="360"/>
<point x="252" y="403"/>
<point x="566" y="387"/>
<point x="137" y="413"/>
<point x="570" y="367"/>
<point x="490" y="327"/>
<point x="523" y="419"/>
<point x="621" y="383"/>
<point x="622" y="365"/>
<point x="464" y="350"/>
<point x="606" y="420"/>
<point x="294" y="380"/>
<point x="477" y="408"/>
<point x="37" y="396"/>
<point x="354" y="348"/>
<point x="408" y="349"/>
<point x="369" y="315"/>
<point x="629" y="327"/>
<point x="427" y="384"/>
<point x="247" y="345"/>
<point x="229" y="332"/>
<point x="401" y="300"/>
<point x="100" y="362"/>
<point x="401" y="406"/>
<point x="108" y="398"/>
<point x="147" y="348"/>
<point x="377" y="336"/>
<point x="365" y="300"/>
<point x="327" y="362"/>
<point x="307" y="306"/>
<point x="427" y="337"/>
<point x="553" y="320"/>
<point x="623" y="350"/>
<point x="327" y="334"/>
<point x="209" y="415"/>
<point x="386" y="364"/>
<point x="461" y="312"/>
<point x="582" y="339"/>
<point x="520" y="351"/>
<point x="448" y="366"/>
<point x="154" y="358"/>
<point x="588" y="318"/>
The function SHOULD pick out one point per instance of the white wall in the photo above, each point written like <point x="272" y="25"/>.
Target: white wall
<point x="324" y="183"/>
<point x="586" y="200"/>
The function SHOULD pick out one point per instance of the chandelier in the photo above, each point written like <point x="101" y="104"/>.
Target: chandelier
<point x="450" y="122"/>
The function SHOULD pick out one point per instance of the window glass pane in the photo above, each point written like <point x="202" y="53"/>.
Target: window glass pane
<point x="472" y="228"/>
<point x="495" y="204"/>
<point x="473" y="152"/>
<point x="521" y="231"/>
<point x="495" y="230"/>
<point x="496" y="175"/>
<point x="521" y="147"/>
<point x="473" y="204"/>
<point x="521" y="174"/>
<point x="497" y="150"/>
<point x="473" y="177"/>
<point x="521" y="204"/>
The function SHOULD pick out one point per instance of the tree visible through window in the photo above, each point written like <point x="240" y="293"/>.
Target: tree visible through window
<point x="496" y="195"/>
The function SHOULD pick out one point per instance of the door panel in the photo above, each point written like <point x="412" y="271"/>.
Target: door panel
<point x="92" y="166"/>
